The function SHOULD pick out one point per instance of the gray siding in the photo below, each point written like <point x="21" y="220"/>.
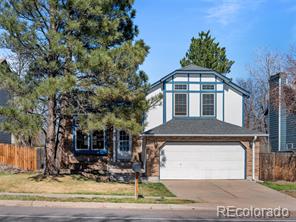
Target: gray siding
<point x="291" y="130"/>
<point x="4" y="137"/>
<point x="273" y="129"/>
<point x="273" y="119"/>
<point x="284" y="132"/>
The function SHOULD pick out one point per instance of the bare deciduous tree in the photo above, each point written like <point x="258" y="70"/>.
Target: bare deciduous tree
<point x="288" y="89"/>
<point x="266" y="63"/>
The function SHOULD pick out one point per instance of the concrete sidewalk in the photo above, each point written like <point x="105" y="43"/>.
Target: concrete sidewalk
<point x="21" y="203"/>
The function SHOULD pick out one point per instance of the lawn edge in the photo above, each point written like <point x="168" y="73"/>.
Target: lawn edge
<point x="127" y="200"/>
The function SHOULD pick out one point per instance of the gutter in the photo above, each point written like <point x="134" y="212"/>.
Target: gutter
<point x="253" y="158"/>
<point x="205" y="135"/>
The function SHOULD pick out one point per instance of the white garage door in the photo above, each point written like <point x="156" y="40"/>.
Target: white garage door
<point x="202" y="161"/>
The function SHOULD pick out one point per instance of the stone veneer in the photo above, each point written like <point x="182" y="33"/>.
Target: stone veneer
<point x="154" y="144"/>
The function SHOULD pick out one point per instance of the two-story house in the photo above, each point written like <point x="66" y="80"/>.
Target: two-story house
<point x="197" y="132"/>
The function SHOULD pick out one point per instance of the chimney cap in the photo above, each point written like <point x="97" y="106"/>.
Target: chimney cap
<point x="278" y="75"/>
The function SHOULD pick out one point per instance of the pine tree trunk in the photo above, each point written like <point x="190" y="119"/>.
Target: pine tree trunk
<point x="60" y="152"/>
<point x="50" y="146"/>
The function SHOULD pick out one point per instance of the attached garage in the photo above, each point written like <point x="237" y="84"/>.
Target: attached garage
<point x="201" y="149"/>
<point x="197" y="160"/>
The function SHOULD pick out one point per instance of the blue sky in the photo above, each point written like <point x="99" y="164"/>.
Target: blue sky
<point x="242" y="26"/>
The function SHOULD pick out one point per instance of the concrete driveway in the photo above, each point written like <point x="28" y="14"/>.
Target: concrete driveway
<point x="238" y="193"/>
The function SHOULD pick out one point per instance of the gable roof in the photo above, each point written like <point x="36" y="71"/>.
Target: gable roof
<point x="200" y="127"/>
<point x="194" y="68"/>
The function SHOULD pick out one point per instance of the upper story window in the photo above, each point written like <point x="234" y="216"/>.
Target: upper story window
<point x="208" y="87"/>
<point x="180" y="104"/>
<point x="208" y="104"/>
<point x="180" y="86"/>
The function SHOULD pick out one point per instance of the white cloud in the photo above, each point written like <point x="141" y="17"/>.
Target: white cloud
<point x="223" y="12"/>
<point x="227" y="11"/>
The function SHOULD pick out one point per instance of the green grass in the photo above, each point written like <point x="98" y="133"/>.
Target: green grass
<point x="156" y="189"/>
<point x="98" y="200"/>
<point x="280" y="186"/>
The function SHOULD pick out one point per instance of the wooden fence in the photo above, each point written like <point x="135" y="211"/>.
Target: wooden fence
<point x="26" y="158"/>
<point x="277" y="166"/>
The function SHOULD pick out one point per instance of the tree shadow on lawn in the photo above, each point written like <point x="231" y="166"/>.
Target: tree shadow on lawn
<point x="42" y="177"/>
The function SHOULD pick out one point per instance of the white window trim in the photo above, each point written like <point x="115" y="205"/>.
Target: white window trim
<point x="129" y="142"/>
<point x="175" y="104"/>
<point x="202" y="104"/>
<point x="91" y="141"/>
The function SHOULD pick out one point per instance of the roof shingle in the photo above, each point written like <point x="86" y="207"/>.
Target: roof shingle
<point x="200" y="127"/>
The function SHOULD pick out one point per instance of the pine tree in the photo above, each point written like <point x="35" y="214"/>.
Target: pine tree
<point x="82" y="60"/>
<point x="205" y="52"/>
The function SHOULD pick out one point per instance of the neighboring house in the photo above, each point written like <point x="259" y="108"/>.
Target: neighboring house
<point x="4" y="96"/>
<point x="282" y="128"/>
<point x="196" y="132"/>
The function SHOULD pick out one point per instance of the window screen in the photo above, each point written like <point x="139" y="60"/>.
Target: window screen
<point x="180" y="104"/>
<point x="180" y="87"/>
<point x="98" y="140"/>
<point x="208" y="87"/>
<point x="124" y="141"/>
<point x="208" y="104"/>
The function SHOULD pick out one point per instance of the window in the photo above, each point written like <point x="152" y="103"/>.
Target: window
<point x="180" y="104"/>
<point x="124" y="141"/>
<point x="180" y="87"/>
<point x="90" y="141"/>
<point x="208" y="104"/>
<point x="208" y="87"/>
<point x="82" y="140"/>
<point x="98" y="140"/>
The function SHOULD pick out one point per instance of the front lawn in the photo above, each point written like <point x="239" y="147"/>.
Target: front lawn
<point x="74" y="184"/>
<point x="282" y="186"/>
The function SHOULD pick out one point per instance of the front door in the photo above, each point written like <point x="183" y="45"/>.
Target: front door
<point x="124" y="145"/>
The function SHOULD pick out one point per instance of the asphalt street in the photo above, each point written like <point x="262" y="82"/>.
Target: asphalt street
<point x="34" y="214"/>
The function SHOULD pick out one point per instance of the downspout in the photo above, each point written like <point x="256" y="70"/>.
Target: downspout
<point x="144" y="157"/>
<point x="280" y="115"/>
<point x="253" y="158"/>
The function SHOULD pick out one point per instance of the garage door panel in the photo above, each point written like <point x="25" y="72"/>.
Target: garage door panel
<point x="202" y="161"/>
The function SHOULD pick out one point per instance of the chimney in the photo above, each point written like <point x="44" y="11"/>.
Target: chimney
<point x="277" y="112"/>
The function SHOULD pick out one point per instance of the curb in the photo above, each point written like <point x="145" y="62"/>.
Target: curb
<point x="22" y="203"/>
